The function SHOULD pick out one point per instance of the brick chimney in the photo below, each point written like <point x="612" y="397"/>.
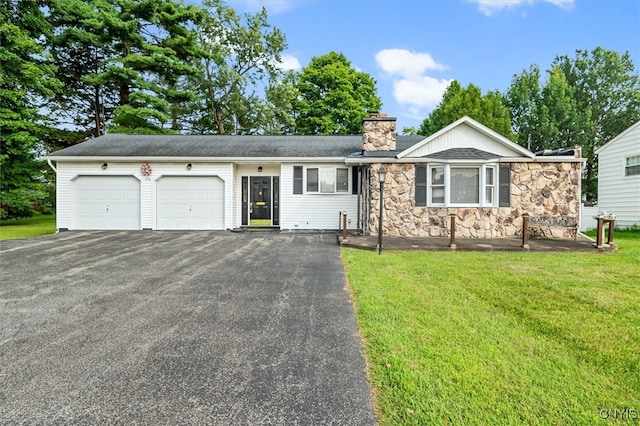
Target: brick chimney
<point x="378" y="132"/>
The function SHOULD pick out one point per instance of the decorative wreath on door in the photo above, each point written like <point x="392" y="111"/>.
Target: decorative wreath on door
<point x="145" y="169"/>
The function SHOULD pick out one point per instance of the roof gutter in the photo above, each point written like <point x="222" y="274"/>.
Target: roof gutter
<point x="251" y="160"/>
<point x="50" y="163"/>
<point x="392" y="160"/>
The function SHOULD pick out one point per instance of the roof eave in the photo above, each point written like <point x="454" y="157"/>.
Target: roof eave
<point x="135" y="159"/>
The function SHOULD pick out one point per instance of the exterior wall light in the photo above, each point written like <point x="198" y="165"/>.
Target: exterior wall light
<point x="104" y="166"/>
<point x="259" y="169"/>
<point x="189" y="166"/>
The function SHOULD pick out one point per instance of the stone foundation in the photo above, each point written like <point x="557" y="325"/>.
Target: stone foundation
<point x="549" y="192"/>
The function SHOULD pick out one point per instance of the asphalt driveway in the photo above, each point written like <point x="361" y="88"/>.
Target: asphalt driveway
<point x="178" y="328"/>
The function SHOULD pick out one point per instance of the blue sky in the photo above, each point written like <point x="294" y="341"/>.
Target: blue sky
<point x="413" y="49"/>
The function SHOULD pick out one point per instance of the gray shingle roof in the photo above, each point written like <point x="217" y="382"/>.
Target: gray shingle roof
<point x="463" y="154"/>
<point x="118" y="145"/>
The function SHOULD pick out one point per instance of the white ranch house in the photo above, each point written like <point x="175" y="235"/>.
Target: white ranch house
<point x="619" y="177"/>
<point x="304" y="183"/>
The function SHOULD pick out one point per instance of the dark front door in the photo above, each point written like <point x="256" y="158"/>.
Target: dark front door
<point x="260" y="201"/>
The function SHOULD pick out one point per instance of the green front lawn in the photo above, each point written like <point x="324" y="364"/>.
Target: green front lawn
<point x="30" y="227"/>
<point x="501" y="338"/>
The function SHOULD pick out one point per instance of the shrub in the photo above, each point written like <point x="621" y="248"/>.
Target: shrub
<point x="22" y="203"/>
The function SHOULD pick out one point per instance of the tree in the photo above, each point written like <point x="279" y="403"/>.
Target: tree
<point x="544" y="116"/>
<point x="242" y="53"/>
<point x="607" y="93"/>
<point x="127" y="58"/>
<point x="457" y="102"/>
<point x="81" y="51"/>
<point x="26" y="82"/>
<point x="334" y="97"/>
<point x="585" y="101"/>
<point x="524" y="100"/>
<point x="281" y="107"/>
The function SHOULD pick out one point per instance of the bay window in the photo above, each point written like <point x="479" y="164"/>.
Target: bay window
<point x="455" y="185"/>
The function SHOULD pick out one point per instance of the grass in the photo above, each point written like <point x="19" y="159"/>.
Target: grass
<point x="25" y="228"/>
<point x="501" y="338"/>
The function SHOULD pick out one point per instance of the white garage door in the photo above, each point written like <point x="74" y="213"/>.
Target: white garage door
<point x="106" y="202"/>
<point x="190" y="202"/>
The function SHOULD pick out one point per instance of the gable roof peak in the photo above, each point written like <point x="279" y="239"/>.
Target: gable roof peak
<point x="494" y="136"/>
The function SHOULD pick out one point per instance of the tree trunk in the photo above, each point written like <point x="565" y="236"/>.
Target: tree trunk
<point x="216" y="113"/>
<point x="219" y="121"/>
<point x="96" y="111"/>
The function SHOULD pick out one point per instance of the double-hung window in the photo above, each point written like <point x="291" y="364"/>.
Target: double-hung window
<point x="322" y="180"/>
<point x="437" y="185"/>
<point x="632" y="166"/>
<point x="489" y="186"/>
<point x="458" y="185"/>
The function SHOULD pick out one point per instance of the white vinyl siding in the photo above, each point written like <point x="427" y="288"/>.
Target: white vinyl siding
<point x="463" y="136"/>
<point x="619" y="193"/>
<point x="312" y="211"/>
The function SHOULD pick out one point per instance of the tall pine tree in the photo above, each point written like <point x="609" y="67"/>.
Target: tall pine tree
<point x="26" y="82"/>
<point x="134" y="54"/>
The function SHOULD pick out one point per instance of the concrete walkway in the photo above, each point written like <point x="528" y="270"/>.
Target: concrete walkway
<point x="582" y="244"/>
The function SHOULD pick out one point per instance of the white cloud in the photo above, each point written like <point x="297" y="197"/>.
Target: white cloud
<point x="405" y="63"/>
<point x="412" y="87"/>
<point x="289" y="62"/>
<point x="491" y="7"/>
<point x="425" y="92"/>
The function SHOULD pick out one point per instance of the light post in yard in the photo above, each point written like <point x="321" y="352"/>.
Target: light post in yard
<point x="381" y="175"/>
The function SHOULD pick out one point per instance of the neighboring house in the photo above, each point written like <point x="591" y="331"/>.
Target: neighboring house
<point x="619" y="177"/>
<point x="307" y="182"/>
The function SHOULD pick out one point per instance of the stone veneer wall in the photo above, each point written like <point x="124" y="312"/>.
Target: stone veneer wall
<point x="379" y="134"/>
<point x="549" y="192"/>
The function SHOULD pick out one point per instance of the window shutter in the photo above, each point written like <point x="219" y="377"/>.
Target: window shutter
<point x="355" y="183"/>
<point x="421" y="186"/>
<point x="505" y="186"/>
<point x="297" y="179"/>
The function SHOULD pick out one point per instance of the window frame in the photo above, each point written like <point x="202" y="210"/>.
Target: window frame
<point x="328" y="173"/>
<point x="482" y="185"/>
<point x="632" y="169"/>
<point x="430" y="185"/>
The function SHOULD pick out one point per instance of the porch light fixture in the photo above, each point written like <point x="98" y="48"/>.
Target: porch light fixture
<point x="259" y="169"/>
<point x="382" y="173"/>
<point x="104" y="166"/>
<point x="189" y="166"/>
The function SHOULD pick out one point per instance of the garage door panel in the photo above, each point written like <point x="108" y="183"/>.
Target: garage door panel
<point x="190" y="202"/>
<point x="106" y="202"/>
